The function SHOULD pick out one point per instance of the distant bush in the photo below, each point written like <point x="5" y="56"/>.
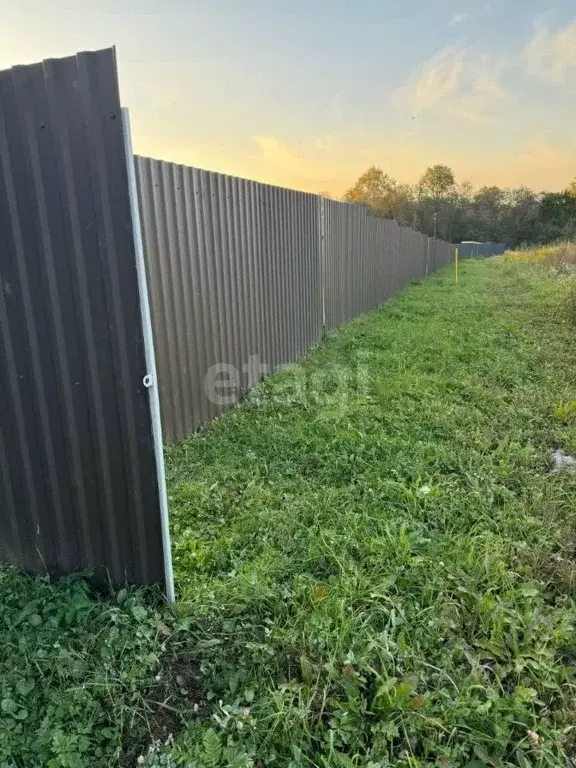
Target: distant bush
<point x="558" y="255"/>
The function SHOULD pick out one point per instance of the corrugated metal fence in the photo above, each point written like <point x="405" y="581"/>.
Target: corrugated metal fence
<point x="234" y="284"/>
<point x="480" y="250"/>
<point x="244" y="277"/>
<point x="77" y="470"/>
<point x="368" y="259"/>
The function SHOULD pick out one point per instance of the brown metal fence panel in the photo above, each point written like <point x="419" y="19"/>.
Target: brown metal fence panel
<point x="367" y="260"/>
<point x="243" y="277"/>
<point x="440" y="254"/>
<point x="234" y="274"/>
<point x="78" y="481"/>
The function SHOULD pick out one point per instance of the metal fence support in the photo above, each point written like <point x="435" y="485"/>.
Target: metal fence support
<point x="150" y="379"/>
<point x="323" y="262"/>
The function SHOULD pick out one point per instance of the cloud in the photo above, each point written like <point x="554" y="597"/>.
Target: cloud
<point x="466" y="82"/>
<point x="458" y="18"/>
<point x="439" y="79"/>
<point x="487" y="79"/>
<point x="459" y="81"/>
<point x="326" y="143"/>
<point x="335" y="106"/>
<point x="471" y="115"/>
<point x="551" y="55"/>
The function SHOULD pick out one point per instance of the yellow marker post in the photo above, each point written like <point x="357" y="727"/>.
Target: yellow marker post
<point x="456" y="265"/>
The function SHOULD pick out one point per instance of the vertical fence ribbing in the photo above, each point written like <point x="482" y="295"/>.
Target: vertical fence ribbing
<point x="240" y="269"/>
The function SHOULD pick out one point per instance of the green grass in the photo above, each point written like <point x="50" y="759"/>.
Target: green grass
<point x="377" y="574"/>
<point x="74" y="673"/>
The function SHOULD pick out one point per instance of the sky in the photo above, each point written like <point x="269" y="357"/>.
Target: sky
<point x="309" y="93"/>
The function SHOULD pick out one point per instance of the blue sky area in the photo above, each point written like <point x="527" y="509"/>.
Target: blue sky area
<point x="308" y="94"/>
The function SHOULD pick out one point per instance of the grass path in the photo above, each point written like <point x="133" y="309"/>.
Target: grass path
<point x="374" y="561"/>
<point x="377" y="567"/>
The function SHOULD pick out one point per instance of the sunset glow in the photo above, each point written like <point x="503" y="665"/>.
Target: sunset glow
<point x="308" y="95"/>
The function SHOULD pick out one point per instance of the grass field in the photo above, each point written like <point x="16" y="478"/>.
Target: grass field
<point x="374" y="560"/>
<point x="556" y="256"/>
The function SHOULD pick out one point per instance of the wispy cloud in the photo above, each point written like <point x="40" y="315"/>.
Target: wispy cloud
<point x="458" y="18"/>
<point x="439" y="79"/>
<point x="457" y="80"/>
<point x="326" y="143"/>
<point x="470" y="114"/>
<point x="550" y="54"/>
<point x="335" y="106"/>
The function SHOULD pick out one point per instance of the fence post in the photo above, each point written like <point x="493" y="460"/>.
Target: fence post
<point x="323" y="262"/>
<point x="150" y="380"/>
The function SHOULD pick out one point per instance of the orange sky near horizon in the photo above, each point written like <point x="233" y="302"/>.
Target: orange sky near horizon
<point x="309" y="95"/>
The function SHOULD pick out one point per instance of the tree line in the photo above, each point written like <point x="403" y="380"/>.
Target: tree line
<point x="456" y="212"/>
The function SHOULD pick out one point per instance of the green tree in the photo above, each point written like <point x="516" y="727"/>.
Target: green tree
<point x="557" y="216"/>
<point x="488" y="206"/>
<point x="558" y="208"/>
<point x="511" y="216"/>
<point x="372" y="189"/>
<point x="521" y="217"/>
<point x="383" y="196"/>
<point x="489" y="200"/>
<point x="401" y="204"/>
<point x="437" y="181"/>
<point x="437" y="208"/>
